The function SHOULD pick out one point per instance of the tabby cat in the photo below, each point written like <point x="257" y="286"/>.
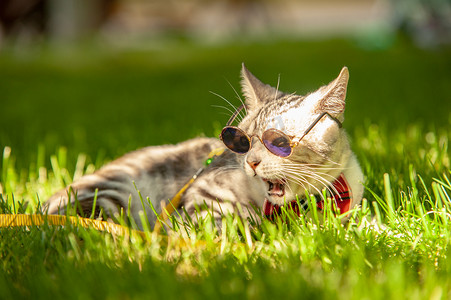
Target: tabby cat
<point x="285" y="146"/>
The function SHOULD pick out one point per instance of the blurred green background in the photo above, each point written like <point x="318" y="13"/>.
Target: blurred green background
<point x="108" y="78"/>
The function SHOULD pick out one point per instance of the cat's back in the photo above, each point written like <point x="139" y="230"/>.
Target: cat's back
<point x="157" y="172"/>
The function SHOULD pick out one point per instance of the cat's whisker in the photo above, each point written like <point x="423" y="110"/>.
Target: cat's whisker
<point x="323" y="178"/>
<point x="298" y="178"/>
<point x="301" y="168"/>
<point x="225" y="99"/>
<point x="318" y="190"/>
<point x="310" y="164"/>
<point x="238" y="97"/>
<point x="277" y="87"/>
<point x="317" y="165"/>
<point x="317" y="172"/>
<point x="225" y="114"/>
<point x="239" y="117"/>
<point x="289" y="187"/>
<point x="224" y="107"/>
<point x="317" y="176"/>
<point x="324" y="182"/>
<point x="297" y="181"/>
<point x="324" y="156"/>
<point x="284" y="177"/>
<point x="327" y="184"/>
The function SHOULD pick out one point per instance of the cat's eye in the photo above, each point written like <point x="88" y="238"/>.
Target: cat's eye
<point x="280" y="141"/>
<point x="277" y="142"/>
<point x="235" y="139"/>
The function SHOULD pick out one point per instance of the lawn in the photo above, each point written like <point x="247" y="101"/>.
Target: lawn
<point x="64" y="114"/>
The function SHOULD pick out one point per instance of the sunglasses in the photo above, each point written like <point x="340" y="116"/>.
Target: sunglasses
<point x="277" y="142"/>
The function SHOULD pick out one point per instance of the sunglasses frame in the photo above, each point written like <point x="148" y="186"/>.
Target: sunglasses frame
<point x="293" y="144"/>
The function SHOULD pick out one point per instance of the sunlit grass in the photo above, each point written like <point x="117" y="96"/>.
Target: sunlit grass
<point x="396" y="244"/>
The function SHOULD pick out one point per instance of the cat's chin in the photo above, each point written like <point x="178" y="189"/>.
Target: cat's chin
<point x="276" y="200"/>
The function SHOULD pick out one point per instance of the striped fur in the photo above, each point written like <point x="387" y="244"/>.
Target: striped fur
<point x="232" y="182"/>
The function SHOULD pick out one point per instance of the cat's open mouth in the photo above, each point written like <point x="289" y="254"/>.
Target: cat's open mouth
<point x="276" y="188"/>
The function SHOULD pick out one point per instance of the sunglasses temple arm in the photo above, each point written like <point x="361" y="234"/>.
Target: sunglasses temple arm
<point x="335" y="119"/>
<point x="235" y="114"/>
<point x="316" y="121"/>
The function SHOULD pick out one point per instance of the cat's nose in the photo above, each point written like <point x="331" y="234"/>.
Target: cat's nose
<point x="253" y="163"/>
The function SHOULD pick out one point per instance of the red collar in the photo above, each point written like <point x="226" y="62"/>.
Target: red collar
<point x="341" y="194"/>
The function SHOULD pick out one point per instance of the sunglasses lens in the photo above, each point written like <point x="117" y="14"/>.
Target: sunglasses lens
<point x="235" y="139"/>
<point x="277" y="143"/>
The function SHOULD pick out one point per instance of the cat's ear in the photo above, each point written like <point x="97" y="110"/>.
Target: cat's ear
<point x="255" y="91"/>
<point x="334" y="94"/>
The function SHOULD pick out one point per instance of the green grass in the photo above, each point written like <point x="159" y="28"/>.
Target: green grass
<point x="65" y="115"/>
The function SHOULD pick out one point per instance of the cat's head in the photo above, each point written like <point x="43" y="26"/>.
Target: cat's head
<point x="318" y="158"/>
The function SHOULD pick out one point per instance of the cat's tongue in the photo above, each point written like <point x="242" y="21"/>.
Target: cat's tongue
<point x="275" y="187"/>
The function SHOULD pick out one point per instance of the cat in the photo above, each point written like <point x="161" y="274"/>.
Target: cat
<point x="285" y="146"/>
